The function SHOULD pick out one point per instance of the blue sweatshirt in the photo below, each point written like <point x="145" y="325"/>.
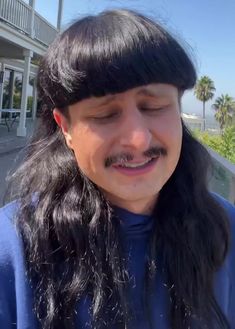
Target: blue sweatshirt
<point x="16" y="295"/>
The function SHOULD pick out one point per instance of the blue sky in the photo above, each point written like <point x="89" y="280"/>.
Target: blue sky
<point x="206" y="28"/>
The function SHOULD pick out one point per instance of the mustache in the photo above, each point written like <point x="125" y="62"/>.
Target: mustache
<point x="154" y="151"/>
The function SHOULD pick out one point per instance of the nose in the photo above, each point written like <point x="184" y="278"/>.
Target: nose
<point x="135" y="133"/>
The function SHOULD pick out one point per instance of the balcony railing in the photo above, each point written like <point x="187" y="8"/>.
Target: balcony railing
<point x="223" y="179"/>
<point x="21" y="16"/>
<point x="44" y="32"/>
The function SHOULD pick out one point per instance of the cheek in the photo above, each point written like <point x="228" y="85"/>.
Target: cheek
<point x="174" y="135"/>
<point x="169" y="134"/>
<point x="168" y="130"/>
<point x="175" y="132"/>
<point x="89" y="148"/>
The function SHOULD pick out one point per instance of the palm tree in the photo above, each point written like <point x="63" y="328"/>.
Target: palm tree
<point x="204" y="91"/>
<point x="225" y="110"/>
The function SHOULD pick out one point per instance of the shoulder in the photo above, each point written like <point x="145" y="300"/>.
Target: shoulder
<point x="8" y="233"/>
<point x="11" y="245"/>
<point x="7" y="216"/>
<point x="225" y="277"/>
<point x="10" y="256"/>
<point x="15" y="291"/>
<point x="229" y="209"/>
<point x="11" y="250"/>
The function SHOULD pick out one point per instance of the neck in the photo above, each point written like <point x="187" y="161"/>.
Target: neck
<point x="141" y="207"/>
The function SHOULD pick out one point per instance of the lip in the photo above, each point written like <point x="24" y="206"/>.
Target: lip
<point x="148" y="167"/>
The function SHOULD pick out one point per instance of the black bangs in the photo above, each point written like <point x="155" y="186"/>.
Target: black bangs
<point x="110" y="53"/>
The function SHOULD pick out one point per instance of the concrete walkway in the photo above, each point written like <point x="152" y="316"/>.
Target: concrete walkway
<point x="9" y="142"/>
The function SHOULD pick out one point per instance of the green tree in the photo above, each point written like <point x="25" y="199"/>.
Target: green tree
<point x="228" y="143"/>
<point x="225" y="110"/>
<point x="204" y="91"/>
<point x="18" y="86"/>
<point x="223" y="144"/>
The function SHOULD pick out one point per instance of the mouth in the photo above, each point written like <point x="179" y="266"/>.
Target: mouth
<point x="136" y="168"/>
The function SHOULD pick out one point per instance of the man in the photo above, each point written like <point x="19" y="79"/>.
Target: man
<point x="115" y="226"/>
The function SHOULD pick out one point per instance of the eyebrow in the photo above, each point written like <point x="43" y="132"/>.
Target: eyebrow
<point x="107" y="100"/>
<point x="147" y="92"/>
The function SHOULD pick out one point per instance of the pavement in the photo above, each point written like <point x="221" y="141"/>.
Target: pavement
<point x="9" y="142"/>
<point x="11" y="152"/>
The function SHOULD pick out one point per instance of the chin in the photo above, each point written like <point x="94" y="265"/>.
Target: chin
<point x="132" y="197"/>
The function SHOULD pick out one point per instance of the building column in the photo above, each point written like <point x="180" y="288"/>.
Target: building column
<point x="1" y="87"/>
<point x="12" y="78"/>
<point x="31" y="27"/>
<point x="59" y="16"/>
<point x="34" y="99"/>
<point x="21" y="130"/>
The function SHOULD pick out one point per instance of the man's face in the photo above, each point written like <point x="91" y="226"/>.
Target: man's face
<point x="128" y="144"/>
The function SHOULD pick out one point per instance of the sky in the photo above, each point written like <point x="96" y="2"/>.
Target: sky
<point x="206" y="28"/>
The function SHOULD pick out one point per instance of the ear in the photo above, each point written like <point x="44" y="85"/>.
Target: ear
<point x="63" y="123"/>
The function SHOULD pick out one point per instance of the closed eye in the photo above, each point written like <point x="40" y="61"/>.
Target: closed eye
<point x="106" y="117"/>
<point x="152" y="109"/>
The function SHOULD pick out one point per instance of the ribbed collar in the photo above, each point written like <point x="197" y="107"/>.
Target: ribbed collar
<point x="132" y="223"/>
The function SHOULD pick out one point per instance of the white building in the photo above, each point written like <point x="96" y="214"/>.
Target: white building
<point x="192" y="121"/>
<point x="24" y="38"/>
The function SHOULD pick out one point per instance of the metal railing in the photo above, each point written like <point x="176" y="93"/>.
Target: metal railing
<point x="21" y="16"/>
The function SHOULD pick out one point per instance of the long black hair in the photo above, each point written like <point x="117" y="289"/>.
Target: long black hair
<point x="72" y="244"/>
